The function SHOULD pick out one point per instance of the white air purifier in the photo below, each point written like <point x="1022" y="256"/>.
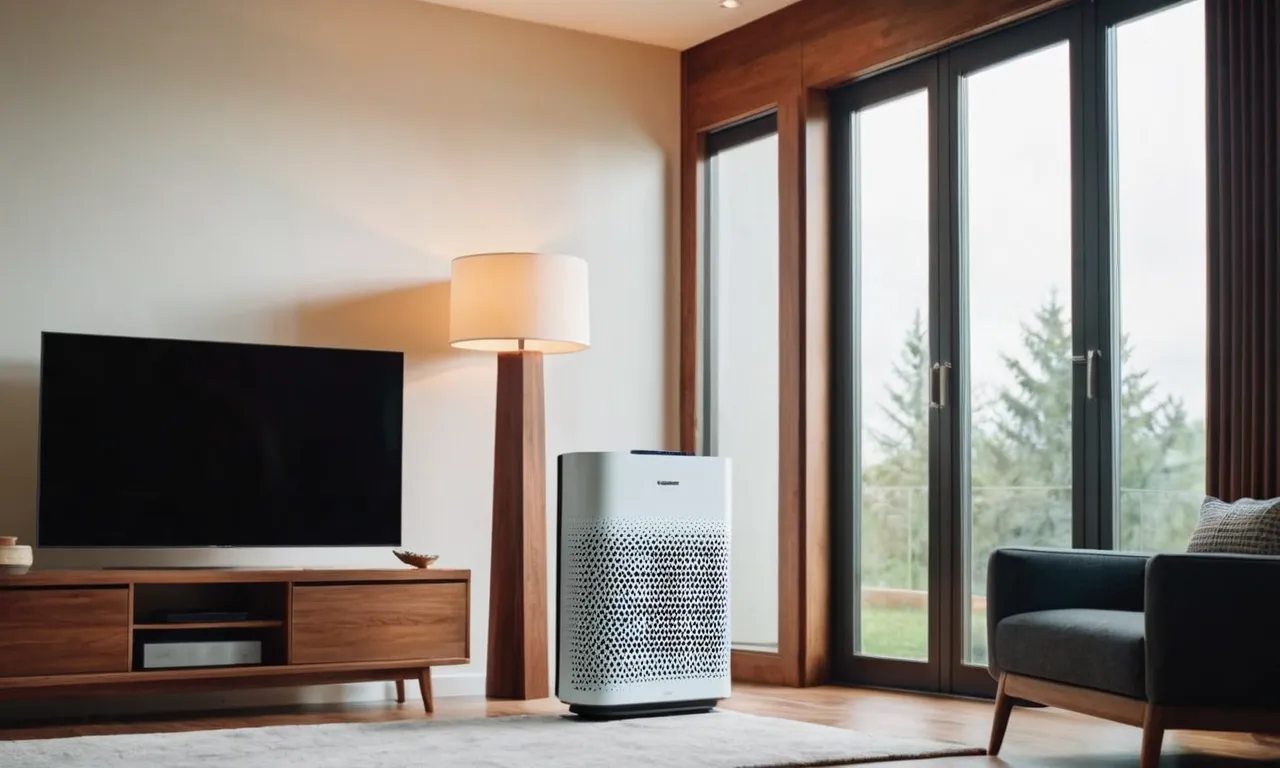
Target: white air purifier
<point x="642" y="583"/>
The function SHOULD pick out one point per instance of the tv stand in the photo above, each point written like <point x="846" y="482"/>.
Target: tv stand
<point x="192" y="568"/>
<point x="79" y="633"/>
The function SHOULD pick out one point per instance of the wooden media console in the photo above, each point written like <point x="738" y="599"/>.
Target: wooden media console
<point x="81" y="632"/>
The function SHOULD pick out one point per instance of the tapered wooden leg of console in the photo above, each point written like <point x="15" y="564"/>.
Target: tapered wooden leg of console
<point x="399" y="691"/>
<point x="424" y="684"/>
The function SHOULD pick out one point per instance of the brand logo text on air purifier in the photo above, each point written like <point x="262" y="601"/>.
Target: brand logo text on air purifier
<point x="668" y="482"/>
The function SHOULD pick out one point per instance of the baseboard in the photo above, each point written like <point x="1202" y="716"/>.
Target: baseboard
<point x="460" y="684"/>
<point x="443" y="684"/>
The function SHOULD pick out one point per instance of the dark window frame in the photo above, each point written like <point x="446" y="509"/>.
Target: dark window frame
<point x="1087" y="27"/>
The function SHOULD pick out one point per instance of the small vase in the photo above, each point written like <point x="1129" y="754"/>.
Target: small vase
<point x="14" y="558"/>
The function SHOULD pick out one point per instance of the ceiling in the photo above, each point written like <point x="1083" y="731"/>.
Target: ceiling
<point x="675" y="24"/>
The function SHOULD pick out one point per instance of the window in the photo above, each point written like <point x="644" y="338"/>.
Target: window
<point x="1158" y="247"/>
<point x="741" y="377"/>
<point x="1016" y="257"/>
<point x="890" y="161"/>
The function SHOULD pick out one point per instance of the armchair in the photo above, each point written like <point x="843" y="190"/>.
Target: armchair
<point x="1157" y="641"/>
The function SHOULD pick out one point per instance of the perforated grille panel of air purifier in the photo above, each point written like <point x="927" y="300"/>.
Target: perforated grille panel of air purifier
<point x="646" y="600"/>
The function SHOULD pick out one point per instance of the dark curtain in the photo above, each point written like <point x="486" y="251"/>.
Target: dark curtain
<point x="1243" y="93"/>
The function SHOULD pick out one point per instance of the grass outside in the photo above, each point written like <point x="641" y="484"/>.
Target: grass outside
<point x="903" y="633"/>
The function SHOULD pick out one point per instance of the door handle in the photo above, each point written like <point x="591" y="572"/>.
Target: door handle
<point x="1089" y="358"/>
<point x="941" y="383"/>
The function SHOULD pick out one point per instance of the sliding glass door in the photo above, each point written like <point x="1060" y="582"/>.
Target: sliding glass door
<point x="886" y="149"/>
<point x="1018" y="446"/>
<point x="996" y="257"/>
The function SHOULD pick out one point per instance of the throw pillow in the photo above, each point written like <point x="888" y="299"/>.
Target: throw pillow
<point x="1245" y="527"/>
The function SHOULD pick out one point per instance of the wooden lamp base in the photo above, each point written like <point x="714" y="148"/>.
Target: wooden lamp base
<point x="517" y="652"/>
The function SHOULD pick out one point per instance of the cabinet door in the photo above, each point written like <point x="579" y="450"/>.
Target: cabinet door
<point x="63" y="631"/>
<point x="379" y="622"/>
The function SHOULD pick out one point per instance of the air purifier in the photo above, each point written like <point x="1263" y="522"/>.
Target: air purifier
<point x="642" y="583"/>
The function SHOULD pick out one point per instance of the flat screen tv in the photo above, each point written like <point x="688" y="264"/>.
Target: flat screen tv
<point x="163" y="443"/>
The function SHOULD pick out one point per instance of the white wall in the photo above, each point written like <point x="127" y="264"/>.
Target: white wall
<point x="301" y="172"/>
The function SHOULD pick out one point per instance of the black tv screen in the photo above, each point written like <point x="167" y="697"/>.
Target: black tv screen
<point x="161" y="443"/>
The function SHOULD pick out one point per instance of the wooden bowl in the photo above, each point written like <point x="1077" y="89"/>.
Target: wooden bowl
<point x="415" y="559"/>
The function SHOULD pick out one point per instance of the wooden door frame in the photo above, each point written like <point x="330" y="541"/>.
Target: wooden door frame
<point x="803" y="580"/>
<point x="786" y="61"/>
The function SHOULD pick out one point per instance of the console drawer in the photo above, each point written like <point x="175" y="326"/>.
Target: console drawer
<point x="63" y="631"/>
<point x="379" y="622"/>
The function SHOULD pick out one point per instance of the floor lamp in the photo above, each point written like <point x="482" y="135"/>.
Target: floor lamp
<point x="522" y="306"/>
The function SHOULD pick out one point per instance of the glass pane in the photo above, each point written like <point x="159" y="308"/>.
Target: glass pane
<point x="1016" y="240"/>
<point x="1159" y="245"/>
<point x="891" y="220"/>
<point x="743" y="391"/>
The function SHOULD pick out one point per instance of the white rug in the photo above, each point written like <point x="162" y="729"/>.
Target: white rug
<point x="717" y="740"/>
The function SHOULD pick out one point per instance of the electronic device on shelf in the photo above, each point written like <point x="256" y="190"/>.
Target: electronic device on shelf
<point x="191" y="653"/>
<point x="165" y="443"/>
<point x="643" y="583"/>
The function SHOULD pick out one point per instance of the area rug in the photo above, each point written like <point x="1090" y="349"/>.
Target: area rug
<point x="715" y="740"/>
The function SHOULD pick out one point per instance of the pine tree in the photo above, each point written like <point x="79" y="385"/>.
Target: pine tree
<point x="906" y="443"/>
<point x="894" y="511"/>
<point x="1033" y="417"/>
<point x="1026" y="443"/>
<point x="1022" y="456"/>
<point x="1161" y="465"/>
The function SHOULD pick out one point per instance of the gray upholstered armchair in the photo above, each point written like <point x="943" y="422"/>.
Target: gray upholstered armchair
<point x="1158" y="641"/>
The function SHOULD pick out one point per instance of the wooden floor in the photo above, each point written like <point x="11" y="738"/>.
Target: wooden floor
<point x="1037" y="737"/>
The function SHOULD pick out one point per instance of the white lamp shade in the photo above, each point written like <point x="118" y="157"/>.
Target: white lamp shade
<point x="503" y="302"/>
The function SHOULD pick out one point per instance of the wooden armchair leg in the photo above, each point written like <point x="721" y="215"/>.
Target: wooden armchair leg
<point x="399" y="691"/>
<point x="1152" y="736"/>
<point x="1004" y="707"/>
<point x="424" y="684"/>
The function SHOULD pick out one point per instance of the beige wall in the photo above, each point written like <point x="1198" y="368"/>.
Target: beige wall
<point x="301" y="172"/>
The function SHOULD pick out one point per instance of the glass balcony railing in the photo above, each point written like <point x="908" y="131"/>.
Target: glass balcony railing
<point x="894" y="605"/>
